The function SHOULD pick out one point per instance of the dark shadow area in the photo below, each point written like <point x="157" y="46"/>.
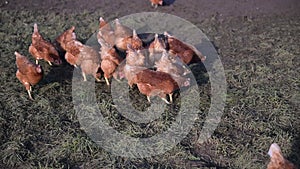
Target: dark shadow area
<point x="199" y="71"/>
<point x="294" y="157"/>
<point x="168" y="2"/>
<point x="215" y="46"/>
<point x="147" y="38"/>
<point x="204" y="160"/>
<point x="59" y="73"/>
<point x="62" y="72"/>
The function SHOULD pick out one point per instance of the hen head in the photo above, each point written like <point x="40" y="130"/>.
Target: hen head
<point x="38" y="69"/>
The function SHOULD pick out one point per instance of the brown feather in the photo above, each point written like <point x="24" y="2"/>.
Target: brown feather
<point x="185" y="51"/>
<point x="42" y="49"/>
<point x="66" y="37"/>
<point x="27" y="72"/>
<point x="105" y="32"/>
<point x="154" y="83"/>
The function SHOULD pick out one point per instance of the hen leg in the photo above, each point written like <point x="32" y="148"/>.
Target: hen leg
<point x="106" y="80"/>
<point x="84" y="76"/>
<point x="29" y="94"/>
<point x="97" y="79"/>
<point x="28" y="88"/>
<point x="118" y="80"/>
<point x="171" y="97"/>
<point x="164" y="99"/>
<point x="130" y="84"/>
<point x="148" y="98"/>
<point x="115" y="76"/>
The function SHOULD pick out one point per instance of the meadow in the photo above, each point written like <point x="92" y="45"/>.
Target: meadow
<point x="262" y="67"/>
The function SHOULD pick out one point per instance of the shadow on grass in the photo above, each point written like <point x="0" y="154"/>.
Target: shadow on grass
<point x="204" y="158"/>
<point x="200" y="73"/>
<point x="295" y="156"/>
<point x="59" y="73"/>
<point x="168" y="2"/>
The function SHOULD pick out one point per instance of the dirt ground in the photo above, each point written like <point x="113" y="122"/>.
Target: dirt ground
<point x="258" y="42"/>
<point x="187" y="9"/>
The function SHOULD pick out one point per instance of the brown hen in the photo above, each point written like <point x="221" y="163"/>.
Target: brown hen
<point x="154" y="83"/>
<point x="72" y="52"/>
<point x="155" y="3"/>
<point x="135" y="62"/>
<point x="28" y="73"/>
<point x="171" y="65"/>
<point x="174" y="67"/>
<point x="65" y="37"/>
<point x="42" y="49"/>
<point x="156" y="48"/>
<point x="105" y="32"/>
<point x="122" y="31"/>
<point x="89" y="61"/>
<point x="135" y="42"/>
<point x="185" y="51"/>
<point x="110" y="60"/>
<point x="124" y="35"/>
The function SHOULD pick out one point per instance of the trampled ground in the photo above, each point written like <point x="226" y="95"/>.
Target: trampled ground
<point x="258" y="43"/>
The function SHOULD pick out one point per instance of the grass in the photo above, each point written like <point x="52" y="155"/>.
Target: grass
<point x="261" y="60"/>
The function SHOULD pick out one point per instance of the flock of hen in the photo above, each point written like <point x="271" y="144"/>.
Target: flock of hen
<point x="166" y="56"/>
